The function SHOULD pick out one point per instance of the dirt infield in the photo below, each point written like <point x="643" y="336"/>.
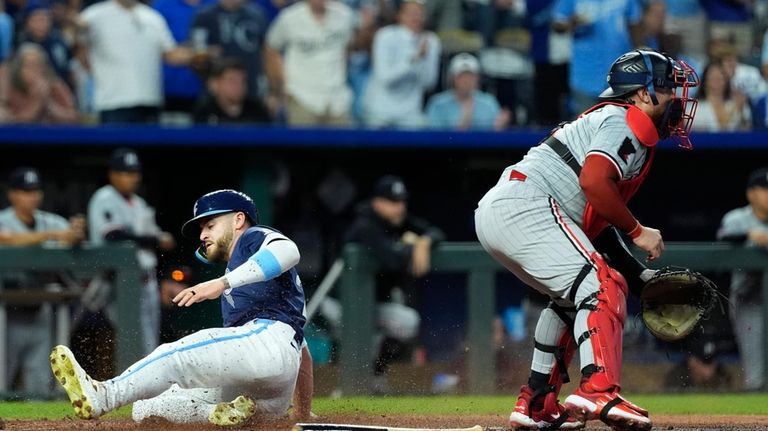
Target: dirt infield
<point x="493" y="422"/>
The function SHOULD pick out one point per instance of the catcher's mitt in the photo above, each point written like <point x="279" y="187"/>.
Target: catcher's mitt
<point x="674" y="300"/>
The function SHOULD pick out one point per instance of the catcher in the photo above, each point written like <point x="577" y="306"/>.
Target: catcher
<point x="540" y="221"/>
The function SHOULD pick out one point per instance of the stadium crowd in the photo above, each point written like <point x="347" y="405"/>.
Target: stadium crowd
<point x="457" y="64"/>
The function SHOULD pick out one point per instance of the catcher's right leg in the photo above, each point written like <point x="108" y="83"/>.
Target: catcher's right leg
<point x="537" y="406"/>
<point x="598" y="330"/>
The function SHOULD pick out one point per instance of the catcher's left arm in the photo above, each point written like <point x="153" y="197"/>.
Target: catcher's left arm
<point x="610" y="244"/>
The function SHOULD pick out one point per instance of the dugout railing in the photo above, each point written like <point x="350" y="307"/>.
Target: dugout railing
<point x="80" y="263"/>
<point x="356" y="293"/>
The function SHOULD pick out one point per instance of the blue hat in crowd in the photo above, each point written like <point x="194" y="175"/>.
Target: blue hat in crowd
<point x="34" y="6"/>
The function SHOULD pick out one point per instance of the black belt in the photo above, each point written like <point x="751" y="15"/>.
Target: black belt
<point x="564" y="153"/>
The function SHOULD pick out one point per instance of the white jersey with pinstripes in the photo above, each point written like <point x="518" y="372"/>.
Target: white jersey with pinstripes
<point x="603" y="132"/>
<point x="534" y="227"/>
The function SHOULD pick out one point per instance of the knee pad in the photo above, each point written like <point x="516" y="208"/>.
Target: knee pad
<point x="607" y="311"/>
<point x="398" y="321"/>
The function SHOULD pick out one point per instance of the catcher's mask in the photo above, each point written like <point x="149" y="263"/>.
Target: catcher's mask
<point x="645" y="68"/>
<point x="217" y="203"/>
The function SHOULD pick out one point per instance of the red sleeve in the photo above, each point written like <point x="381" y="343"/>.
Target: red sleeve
<point x="598" y="180"/>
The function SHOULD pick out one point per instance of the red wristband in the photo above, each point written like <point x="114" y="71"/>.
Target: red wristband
<point x="634" y="233"/>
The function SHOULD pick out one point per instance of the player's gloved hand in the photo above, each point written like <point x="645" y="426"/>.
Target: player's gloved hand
<point x="650" y="241"/>
<point x="210" y="289"/>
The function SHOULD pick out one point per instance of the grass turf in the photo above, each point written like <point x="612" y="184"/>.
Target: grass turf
<point x="709" y="404"/>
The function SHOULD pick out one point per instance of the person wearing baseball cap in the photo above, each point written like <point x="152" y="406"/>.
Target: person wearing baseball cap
<point x="116" y="213"/>
<point x="748" y="226"/>
<point x="124" y="160"/>
<point x="402" y="245"/>
<point x="24" y="224"/>
<point x="24" y="178"/>
<point x="465" y="106"/>
<point x="390" y="187"/>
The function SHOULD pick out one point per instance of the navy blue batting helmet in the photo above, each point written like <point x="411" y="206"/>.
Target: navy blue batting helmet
<point x="219" y="202"/>
<point x="641" y="68"/>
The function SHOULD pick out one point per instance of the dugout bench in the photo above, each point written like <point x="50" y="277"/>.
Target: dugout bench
<point x="357" y="296"/>
<point x="80" y="262"/>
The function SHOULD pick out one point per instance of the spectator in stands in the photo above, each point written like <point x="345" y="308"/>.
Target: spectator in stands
<point x="6" y="33"/>
<point x="490" y="17"/>
<point x="23" y="224"/>
<point x="464" y="106"/>
<point x="64" y="18"/>
<point x="445" y="16"/>
<point x="182" y="85"/>
<point x="652" y="23"/>
<point x="731" y="20"/>
<point x="551" y="53"/>
<point x="235" y="28"/>
<point x="38" y="28"/>
<point x="748" y="226"/>
<point x="30" y="91"/>
<point x="406" y="62"/>
<point x="117" y="213"/>
<point x="126" y="43"/>
<point x="306" y="60"/>
<point x="686" y="19"/>
<point x="721" y="107"/>
<point x="371" y="16"/>
<point x="744" y="78"/>
<point x="402" y="244"/>
<point x="601" y="33"/>
<point x="226" y="101"/>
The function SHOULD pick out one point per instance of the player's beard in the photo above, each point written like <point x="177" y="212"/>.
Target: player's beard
<point x="218" y="253"/>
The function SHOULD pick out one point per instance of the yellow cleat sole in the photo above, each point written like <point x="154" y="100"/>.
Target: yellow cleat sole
<point x="64" y="372"/>
<point x="235" y="412"/>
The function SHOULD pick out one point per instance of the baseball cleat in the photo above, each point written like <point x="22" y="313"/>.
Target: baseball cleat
<point x="546" y="413"/>
<point x="235" y="412"/>
<point x="80" y="388"/>
<point x="609" y="407"/>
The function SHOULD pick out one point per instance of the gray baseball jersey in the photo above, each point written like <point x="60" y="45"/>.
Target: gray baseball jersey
<point x="738" y="222"/>
<point x="108" y="210"/>
<point x="745" y="299"/>
<point x="44" y="221"/>
<point x="603" y="132"/>
<point x="29" y="328"/>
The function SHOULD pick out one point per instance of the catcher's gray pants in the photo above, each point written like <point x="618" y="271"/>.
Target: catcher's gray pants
<point x="526" y="231"/>
<point x="29" y="343"/>
<point x="747" y="318"/>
